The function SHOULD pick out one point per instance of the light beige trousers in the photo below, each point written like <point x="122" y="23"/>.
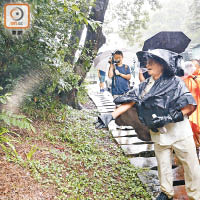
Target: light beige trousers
<point x="185" y="150"/>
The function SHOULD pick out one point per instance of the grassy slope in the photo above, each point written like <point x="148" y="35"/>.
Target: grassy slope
<point x="70" y="160"/>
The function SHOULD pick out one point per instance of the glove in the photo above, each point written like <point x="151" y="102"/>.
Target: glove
<point x="173" y="117"/>
<point x="103" y="121"/>
<point x="154" y="130"/>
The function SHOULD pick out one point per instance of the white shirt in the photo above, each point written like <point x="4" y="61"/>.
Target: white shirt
<point x="148" y="86"/>
<point x="175" y="131"/>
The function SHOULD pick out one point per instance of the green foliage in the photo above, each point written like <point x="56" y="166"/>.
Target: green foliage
<point x="170" y="17"/>
<point x="4" y="98"/>
<point x="8" y="120"/>
<point x="94" y="24"/>
<point x="4" y="139"/>
<point x="78" y="160"/>
<point x="44" y="46"/>
<point x="83" y="93"/>
<point x="16" y="120"/>
<point x="192" y="21"/>
<point x="81" y="162"/>
<point x="194" y="11"/>
<point x="42" y="106"/>
<point x="174" y="16"/>
<point x="30" y="154"/>
<point x="5" y="143"/>
<point x="130" y="18"/>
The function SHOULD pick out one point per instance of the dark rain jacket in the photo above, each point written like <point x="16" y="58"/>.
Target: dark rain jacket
<point x="165" y="96"/>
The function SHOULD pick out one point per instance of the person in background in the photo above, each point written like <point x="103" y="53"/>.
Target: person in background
<point x="192" y="81"/>
<point x="101" y="75"/>
<point x="120" y="74"/>
<point x="133" y="80"/>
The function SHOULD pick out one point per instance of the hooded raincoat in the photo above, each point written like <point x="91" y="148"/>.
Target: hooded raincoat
<point x="167" y="94"/>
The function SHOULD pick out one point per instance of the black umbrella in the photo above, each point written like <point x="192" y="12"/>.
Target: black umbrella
<point x="173" y="41"/>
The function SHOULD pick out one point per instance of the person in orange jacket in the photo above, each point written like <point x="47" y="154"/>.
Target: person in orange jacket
<point x="192" y="81"/>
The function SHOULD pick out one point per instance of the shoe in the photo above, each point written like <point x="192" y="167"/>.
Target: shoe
<point x="163" y="196"/>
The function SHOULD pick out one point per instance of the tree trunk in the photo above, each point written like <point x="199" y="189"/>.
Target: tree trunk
<point x="70" y="99"/>
<point x="74" y="42"/>
<point x="94" y="41"/>
<point x="75" y="38"/>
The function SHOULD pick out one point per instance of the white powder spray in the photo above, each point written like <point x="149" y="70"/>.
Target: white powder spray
<point x="23" y="88"/>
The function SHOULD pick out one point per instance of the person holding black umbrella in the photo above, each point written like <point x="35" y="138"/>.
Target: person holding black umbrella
<point x="163" y="104"/>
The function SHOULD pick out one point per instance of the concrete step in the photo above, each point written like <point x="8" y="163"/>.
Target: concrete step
<point x="130" y="140"/>
<point x="103" y="110"/>
<point x="122" y="133"/>
<point x="137" y="149"/>
<point x="144" y="162"/>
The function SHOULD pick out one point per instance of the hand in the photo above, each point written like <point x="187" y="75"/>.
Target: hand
<point x="173" y="117"/>
<point x="159" y="122"/>
<point x="117" y="72"/>
<point x="110" y="61"/>
<point x="140" y="71"/>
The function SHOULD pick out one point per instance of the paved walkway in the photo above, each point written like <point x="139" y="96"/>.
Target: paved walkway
<point x="140" y="153"/>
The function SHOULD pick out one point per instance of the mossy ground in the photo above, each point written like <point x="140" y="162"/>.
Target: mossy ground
<point x="67" y="158"/>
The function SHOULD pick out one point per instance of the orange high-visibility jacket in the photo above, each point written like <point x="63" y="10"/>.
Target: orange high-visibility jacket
<point x="193" y="84"/>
